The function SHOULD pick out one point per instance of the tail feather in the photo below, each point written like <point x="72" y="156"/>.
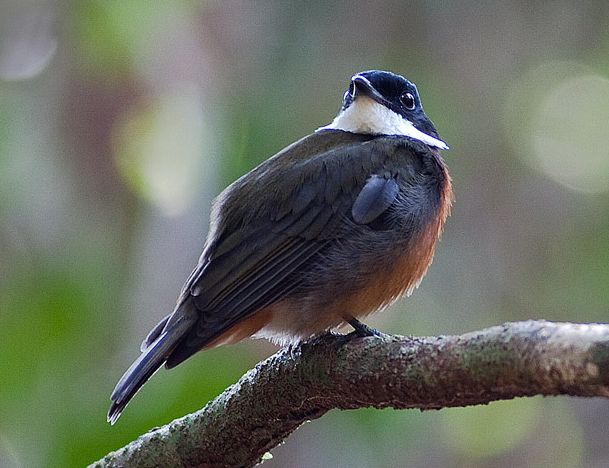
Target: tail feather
<point x="154" y="334"/>
<point x="146" y="365"/>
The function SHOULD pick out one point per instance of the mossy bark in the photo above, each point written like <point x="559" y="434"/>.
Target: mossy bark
<point x="302" y="382"/>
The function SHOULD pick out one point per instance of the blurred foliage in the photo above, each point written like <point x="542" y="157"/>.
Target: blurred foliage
<point x="119" y="122"/>
<point x="489" y="431"/>
<point x="145" y="150"/>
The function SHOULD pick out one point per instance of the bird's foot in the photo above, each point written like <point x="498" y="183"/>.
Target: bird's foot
<point x="362" y="330"/>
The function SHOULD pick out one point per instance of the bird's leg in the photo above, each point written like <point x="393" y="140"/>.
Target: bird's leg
<point x="361" y="329"/>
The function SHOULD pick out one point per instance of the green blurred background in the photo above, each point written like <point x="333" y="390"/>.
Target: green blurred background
<point x="121" y="120"/>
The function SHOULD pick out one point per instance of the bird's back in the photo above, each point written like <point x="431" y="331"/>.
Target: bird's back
<point x="302" y="263"/>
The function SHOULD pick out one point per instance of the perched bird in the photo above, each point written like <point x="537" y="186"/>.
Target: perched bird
<point x="332" y="228"/>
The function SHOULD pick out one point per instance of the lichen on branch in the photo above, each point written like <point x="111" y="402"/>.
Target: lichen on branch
<point x="302" y="382"/>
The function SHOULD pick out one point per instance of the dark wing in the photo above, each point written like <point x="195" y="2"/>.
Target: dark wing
<point x="253" y="264"/>
<point x="266" y="227"/>
<point x="376" y="197"/>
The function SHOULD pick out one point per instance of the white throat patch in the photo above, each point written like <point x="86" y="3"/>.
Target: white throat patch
<point x="365" y="115"/>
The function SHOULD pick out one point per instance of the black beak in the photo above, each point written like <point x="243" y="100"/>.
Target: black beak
<point x="361" y="85"/>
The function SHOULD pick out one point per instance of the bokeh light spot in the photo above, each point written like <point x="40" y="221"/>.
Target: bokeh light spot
<point x="557" y="120"/>
<point x="27" y="42"/>
<point x="159" y="150"/>
<point x="570" y="131"/>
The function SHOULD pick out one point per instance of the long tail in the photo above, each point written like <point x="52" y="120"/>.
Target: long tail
<point x="152" y="357"/>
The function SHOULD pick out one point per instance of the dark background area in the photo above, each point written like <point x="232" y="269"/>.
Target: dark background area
<point x="120" y="121"/>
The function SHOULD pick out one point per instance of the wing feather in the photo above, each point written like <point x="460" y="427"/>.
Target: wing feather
<point x="300" y="212"/>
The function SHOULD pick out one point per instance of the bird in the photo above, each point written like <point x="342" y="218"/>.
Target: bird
<point x="334" y="227"/>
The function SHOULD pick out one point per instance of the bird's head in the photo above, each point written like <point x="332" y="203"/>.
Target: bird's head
<point x="383" y="103"/>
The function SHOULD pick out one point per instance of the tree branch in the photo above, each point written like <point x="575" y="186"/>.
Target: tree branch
<point x="302" y="382"/>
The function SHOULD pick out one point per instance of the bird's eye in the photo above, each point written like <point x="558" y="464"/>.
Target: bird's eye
<point x="407" y="100"/>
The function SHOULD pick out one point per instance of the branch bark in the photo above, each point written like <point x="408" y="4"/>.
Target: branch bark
<point x="302" y="382"/>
